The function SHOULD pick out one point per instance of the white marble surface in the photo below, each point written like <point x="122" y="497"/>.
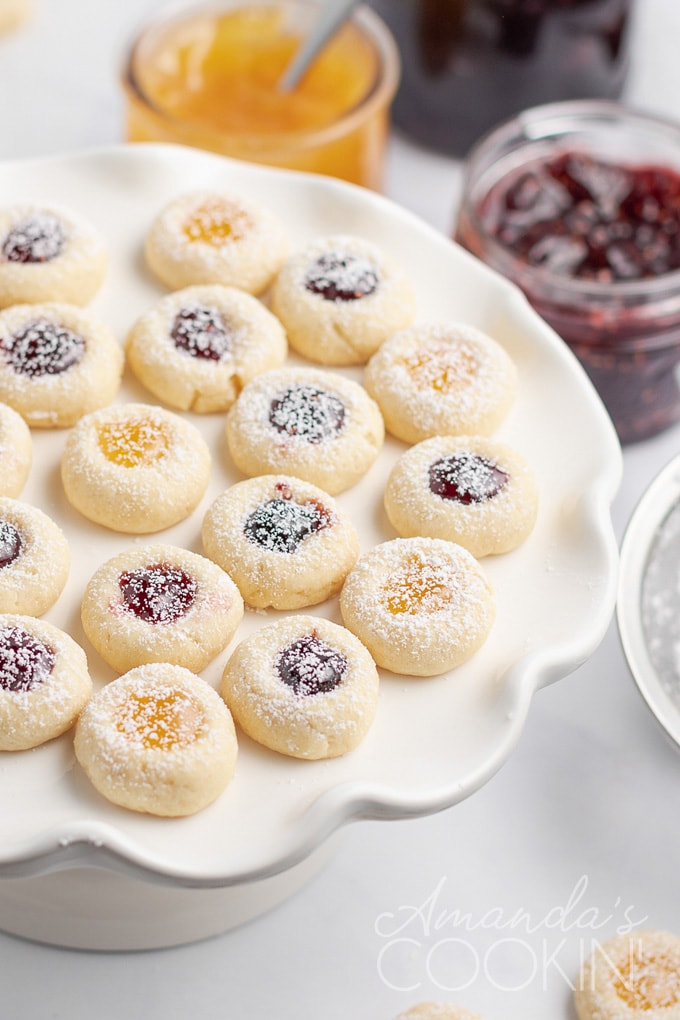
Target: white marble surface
<point x="490" y="904"/>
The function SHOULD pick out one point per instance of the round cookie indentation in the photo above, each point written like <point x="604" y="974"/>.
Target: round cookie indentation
<point x="472" y="490"/>
<point x="44" y="682"/>
<point x="57" y="363"/>
<point x="216" y="237"/>
<point x="160" y="603"/>
<point x="197" y="348"/>
<point x="157" y="740"/>
<point x="441" y="379"/>
<point x="340" y="298"/>
<point x="285" y="542"/>
<point x="135" y="468"/>
<point x="16" y="452"/>
<point x="633" y="976"/>
<point x="34" y="559"/>
<point x="421" y="606"/>
<point x="302" y="686"/>
<point x="48" y="254"/>
<point x="306" y="422"/>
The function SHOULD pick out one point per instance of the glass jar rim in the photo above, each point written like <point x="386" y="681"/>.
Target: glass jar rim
<point x="555" y="121"/>
<point x="380" y="91"/>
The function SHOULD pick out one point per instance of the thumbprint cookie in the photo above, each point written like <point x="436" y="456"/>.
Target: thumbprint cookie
<point x="16" y="451"/>
<point x="44" y="682"/>
<point x="441" y="379"/>
<point x="421" y="606"/>
<point x="34" y="559"/>
<point x="135" y="468"/>
<point x="631" y="977"/>
<point x="307" y="422"/>
<point x="285" y="542"/>
<point x="216" y="237"/>
<point x="160" y="603"/>
<point x="302" y="686"/>
<point x="471" y="490"/>
<point x="158" y="740"/>
<point x="197" y="348"/>
<point x="57" y="363"/>
<point x="49" y="254"/>
<point x="437" y="1011"/>
<point x="340" y="298"/>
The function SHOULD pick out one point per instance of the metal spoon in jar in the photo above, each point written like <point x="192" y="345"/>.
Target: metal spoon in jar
<point x="333" y="14"/>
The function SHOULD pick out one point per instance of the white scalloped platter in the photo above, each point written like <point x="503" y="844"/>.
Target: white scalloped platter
<point x="435" y="741"/>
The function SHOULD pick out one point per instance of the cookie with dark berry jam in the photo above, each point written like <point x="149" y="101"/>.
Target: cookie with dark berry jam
<point x="307" y="422"/>
<point x="44" y="681"/>
<point x="340" y="298"/>
<point x="160" y="603"/>
<point x="34" y="559"/>
<point x="472" y="490"/>
<point x="302" y="686"/>
<point x="285" y="542"/>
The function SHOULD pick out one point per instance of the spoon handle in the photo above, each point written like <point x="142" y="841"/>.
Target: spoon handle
<point x="333" y="13"/>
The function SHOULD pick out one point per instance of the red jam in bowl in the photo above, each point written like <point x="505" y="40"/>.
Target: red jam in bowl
<point x="594" y="242"/>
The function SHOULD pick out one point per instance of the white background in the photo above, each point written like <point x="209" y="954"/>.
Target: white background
<point x="584" y="817"/>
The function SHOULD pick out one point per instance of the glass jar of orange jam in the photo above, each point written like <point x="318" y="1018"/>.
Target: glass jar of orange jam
<point x="207" y="77"/>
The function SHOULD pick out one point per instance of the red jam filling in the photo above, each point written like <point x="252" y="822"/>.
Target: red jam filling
<point x="281" y="524"/>
<point x="25" y="660"/>
<point x="466" y="478"/>
<point x="588" y="219"/>
<point x="309" y="666"/>
<point x="159" y="593"/>
<point x="10" y="543"/>
<point x="37" y="238"/>
<point x="337" y="276"/>
<point x="42" y="348"/>
<point x="202" y="333"/>
<point x="307" y="412"/>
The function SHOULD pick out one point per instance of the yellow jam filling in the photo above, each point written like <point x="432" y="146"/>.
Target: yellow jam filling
<point x="133" y="443"/>
<point x="214" y="223"/>
<point x="417" y="588"/>
<point x="163" y="721"/>
<point x="443" y="368"/>
<point x="648" y="983"/>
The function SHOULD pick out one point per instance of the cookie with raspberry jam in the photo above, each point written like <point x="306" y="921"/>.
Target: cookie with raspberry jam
<point x="160" y="603"/>
<point x="307" y="422"/>
<point x="49" y="254"/>
<point x="57" y="363"/>
<point x="340" y="298"/>
<point x="286" y="543"/>
<point x="34" y="559"/>
<point x="197" y="348"/>
<point x="44" y="681"/>
<point x="16" y="452"/>
<point x="302" y="686"/>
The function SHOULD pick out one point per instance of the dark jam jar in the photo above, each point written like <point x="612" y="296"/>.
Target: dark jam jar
<point x="467" y="65"/>
<point x="579" y="205"/>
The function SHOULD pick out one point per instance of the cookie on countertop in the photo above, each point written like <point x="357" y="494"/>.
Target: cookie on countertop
<point x="216" y="237"/>
<point x="135" y="468"/>
<point x="160" y="603"/>
<point x="34" y="559"/>
<point x="57" y="363"/>
<point x="49" y="253"/>
<point x="285" y="542"/>
<point x="307" y="422"/>
<point x="302" y="686"/>
<point x="158" y="740"/>
<point x="631" y="977"/>
<point x="340" y="298"/>
<point x="44" y="681"/>
<point x="422" y="606"/>
<point x="441" y="379"/>
<point x="197" y="348"/>
<point x="16" y="452"/>
<point x="473" y="490"/>
<point x="437" y="1011"/>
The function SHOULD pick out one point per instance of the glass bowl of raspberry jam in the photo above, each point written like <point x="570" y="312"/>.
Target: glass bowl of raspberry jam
<point x="578" y="203"/>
